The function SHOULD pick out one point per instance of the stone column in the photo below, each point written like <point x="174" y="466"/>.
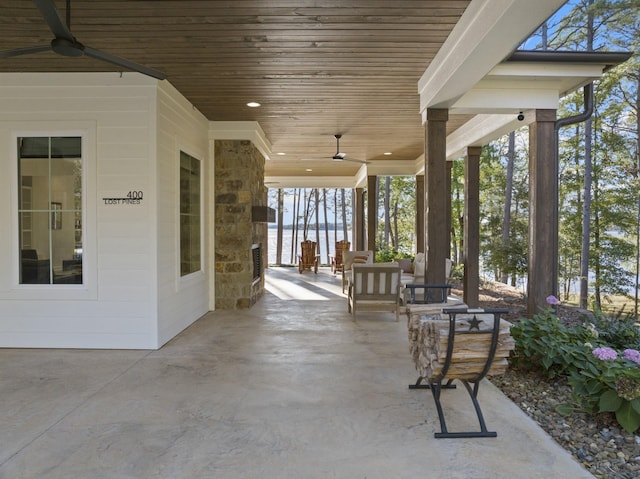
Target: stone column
<point x="435" y="192"/>
<point x="420" y="214"/>
<point x="471" y="247"/>
<point x="372" y="213"/>
<point x="239" y="176"/>
<point x="543" y="211"/>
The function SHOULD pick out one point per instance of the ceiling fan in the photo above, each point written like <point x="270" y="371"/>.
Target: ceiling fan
<point x="339" y="156"/>
<point x="65" y="43"/>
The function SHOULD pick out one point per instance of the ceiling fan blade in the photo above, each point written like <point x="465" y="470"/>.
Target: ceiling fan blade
<point x="52" y="17"/>
<point x="121" y="62"/>
<point x="364" y="162"/>
<point x="24" y="51"/>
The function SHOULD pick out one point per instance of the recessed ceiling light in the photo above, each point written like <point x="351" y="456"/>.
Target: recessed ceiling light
<point x="387" y="153"/>
<point x="281" y="153"/>
<point x="308" y="169"/>
<point x="253" y="104"/>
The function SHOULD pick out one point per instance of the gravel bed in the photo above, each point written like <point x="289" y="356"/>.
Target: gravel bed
<point x="596" y="441"/>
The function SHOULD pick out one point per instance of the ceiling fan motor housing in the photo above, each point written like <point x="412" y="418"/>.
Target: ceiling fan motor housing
<point x="67" y="48"/>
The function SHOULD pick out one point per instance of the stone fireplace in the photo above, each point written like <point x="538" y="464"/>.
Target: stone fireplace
<point x="240" y="241"/>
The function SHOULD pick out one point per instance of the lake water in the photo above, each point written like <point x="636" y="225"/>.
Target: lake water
<point x="286" y="245"/>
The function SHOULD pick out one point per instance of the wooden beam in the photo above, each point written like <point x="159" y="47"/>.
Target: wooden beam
<point x="358" y="220"/>
<point x="543" y="215"/>
<point x="471" y="280"/>
<point x="372" y="213"/>
<point x="420" y="214"/>
<point x="435" y="192"/>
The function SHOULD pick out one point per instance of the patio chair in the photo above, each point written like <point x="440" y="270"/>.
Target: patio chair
<point x="352" y="257"/>
<point x="336" y="260"/>
<point x="308" y="259"/>
<point x="374" y="287"/>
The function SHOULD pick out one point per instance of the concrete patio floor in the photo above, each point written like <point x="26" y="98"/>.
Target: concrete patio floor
<point x="291" y="388"/>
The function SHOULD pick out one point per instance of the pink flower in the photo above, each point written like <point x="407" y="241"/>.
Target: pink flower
<point x="631" y="355"/>
<point x="552" y="300"/>
<point x="605" y="353"/>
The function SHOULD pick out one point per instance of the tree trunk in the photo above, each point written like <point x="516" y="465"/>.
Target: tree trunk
<point x="294" y="229"/>
<point x="586" y="216"/>
<point x="395" y="235"/>
<point x="506" y="227"/>
<point x="344" y="214"/>
<point x="316" y="196"/>
<point x="596" y="246"/>
<point x="280" y="226"/>
<point x="387" y="211"/>
<point x="335" y="216"/>
<point x="586" y="206"/>
<point x="326" y="223"/>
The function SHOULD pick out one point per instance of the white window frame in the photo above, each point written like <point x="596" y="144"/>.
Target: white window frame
<point x="86" y="130"/>
<point x="196" y="276"/>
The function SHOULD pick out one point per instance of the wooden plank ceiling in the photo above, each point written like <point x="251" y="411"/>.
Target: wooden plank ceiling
<point x="317" y="67"/>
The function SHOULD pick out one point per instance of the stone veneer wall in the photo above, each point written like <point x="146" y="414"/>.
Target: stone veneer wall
<point x="239" y="185"/>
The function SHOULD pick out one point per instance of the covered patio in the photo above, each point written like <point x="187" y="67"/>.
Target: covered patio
<point x="285" y="389"/>
<point x="409" y="85"/>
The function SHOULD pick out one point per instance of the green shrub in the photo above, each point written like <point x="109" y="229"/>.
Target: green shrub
<point x="389" y="254"/>
<point x="619" y="333"/>
<point x="544" y="344"/>
<point x="600" y="359"/>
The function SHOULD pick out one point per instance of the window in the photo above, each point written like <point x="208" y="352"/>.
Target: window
<point x="190" y="244"/>
<point x="50" y="210"/>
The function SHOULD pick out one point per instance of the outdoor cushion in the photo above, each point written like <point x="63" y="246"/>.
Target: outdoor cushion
<point x="350" y="257"/>
<point x="405" y="265"/>
<point x="419" y="265"/>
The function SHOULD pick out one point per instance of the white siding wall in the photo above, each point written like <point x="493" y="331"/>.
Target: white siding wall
<point x="180" y="128"/>
<point x="117" y="307"/>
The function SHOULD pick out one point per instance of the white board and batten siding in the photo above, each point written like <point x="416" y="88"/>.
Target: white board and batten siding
<point x="118" y="305"/>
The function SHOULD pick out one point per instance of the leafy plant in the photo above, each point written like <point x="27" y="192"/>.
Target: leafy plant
<point x="389" y="254"/>
<point x="599" y="359"/>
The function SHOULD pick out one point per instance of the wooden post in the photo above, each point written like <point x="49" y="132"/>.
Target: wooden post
<point x="420" y="214"/>
<point x="358" y="220"/>
<point x="435" y="171"/>
<point x="448" y="207"/>
<point x="471" y="243"/>
<point x="372" y="213"/>
<point x="543" y="211"/>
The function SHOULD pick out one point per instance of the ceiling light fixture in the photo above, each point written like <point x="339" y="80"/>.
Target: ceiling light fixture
<point x="253" y="104"/>
<point x="281" y="153"/>
<point x="387" y="153"/>
<point x="308" y="169"/>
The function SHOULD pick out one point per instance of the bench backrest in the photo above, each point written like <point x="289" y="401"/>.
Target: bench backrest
<point x="376" y="281"/>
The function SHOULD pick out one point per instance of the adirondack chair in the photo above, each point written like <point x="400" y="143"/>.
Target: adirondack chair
<point x="374" y="287"/>
<point x="336" y="261"/>
<point x="308" y="259"/>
